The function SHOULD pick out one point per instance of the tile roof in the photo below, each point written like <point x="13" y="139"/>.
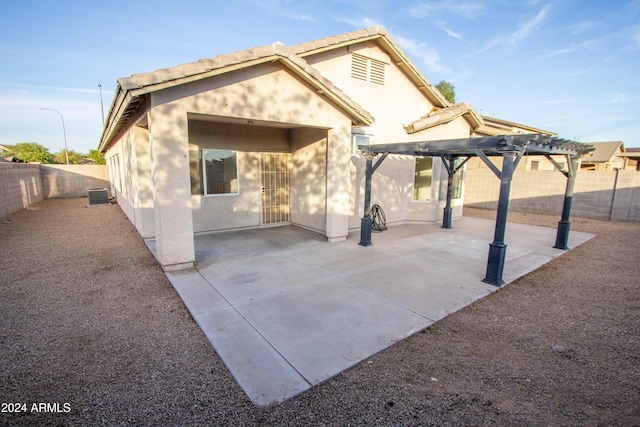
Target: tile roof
<point x="380" y="35"/>
<point x="130" y="90"/>
<point x="494" y="126"/>
<point x="445" y="115"/>
<point x="604" y="151"/>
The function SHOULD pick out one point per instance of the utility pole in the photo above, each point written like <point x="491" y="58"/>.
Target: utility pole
<point x="64" y="133"/>
<point x="101" y="103"/>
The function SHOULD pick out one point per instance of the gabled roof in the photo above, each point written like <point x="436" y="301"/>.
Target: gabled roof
<point x="382" y="37"/>
<point x="604" y="151"/>
<point x="445" y="115"/>
<point x="494" y="127"/>
<point x="131" y="91"/>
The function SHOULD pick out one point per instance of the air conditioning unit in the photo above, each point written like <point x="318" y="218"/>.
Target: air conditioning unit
<point x="98" y="196"/>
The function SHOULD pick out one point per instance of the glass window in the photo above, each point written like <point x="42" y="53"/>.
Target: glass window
<point x="213" y="172"/>
<point x="220" y="172"/>
<point x="422" y="179"/>
<point x="360" y="139"/>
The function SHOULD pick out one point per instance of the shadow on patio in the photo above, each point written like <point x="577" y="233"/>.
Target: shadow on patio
<point x="286" y="310"/>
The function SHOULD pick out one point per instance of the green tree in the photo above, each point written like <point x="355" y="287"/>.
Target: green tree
<point x="97" y="157"/>
<point x="28" y="152"/>
<point x="75" y="158"/>
<point x="447" y="90"/>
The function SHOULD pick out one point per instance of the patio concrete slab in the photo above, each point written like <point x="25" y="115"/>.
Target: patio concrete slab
<point x="325" y="327"/>
<point x="268" y="274"/>
<point x="286" y="310"/>
<point x="255" y="363"/>
<point x="429" y="291"/>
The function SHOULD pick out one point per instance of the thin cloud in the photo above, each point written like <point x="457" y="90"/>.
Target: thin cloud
<point x="301" y="17"/>
<point x="360" y="23"/>
<point x="443" y="27"/>
<point x="523" y="32"/>
<point x="622" y="98"/>
<point x="557" y="101"/>
<point x="529" y="27"/>
<point x="423" y="52"/>
<point x="583" y="27"/>
<point x="467" y="9"/>
<point x="633" y="36"/>
<point x="562" y="51"/>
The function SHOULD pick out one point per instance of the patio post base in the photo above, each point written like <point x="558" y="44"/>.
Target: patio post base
<point x="562" y="238"/>
<point x="366" y="226"/>
<point x="446" y="218"/>
<point x="495" y="264"/>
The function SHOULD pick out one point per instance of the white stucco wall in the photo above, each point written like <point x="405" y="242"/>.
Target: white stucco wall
<point x="395" y="104"/>
<point x="280" y="107"/>
<point x="266" y="108"/>
<point x="309" y="178"/>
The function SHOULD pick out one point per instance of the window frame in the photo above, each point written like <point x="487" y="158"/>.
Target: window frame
<point x="413" y="192"/>
<point x="354" y="144"/>
<point x="203" y="173"/>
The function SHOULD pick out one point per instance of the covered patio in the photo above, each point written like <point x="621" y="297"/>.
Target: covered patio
<point x="286" y="310"/>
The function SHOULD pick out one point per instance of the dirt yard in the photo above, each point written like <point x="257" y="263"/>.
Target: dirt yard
<point x="92" y="333"/>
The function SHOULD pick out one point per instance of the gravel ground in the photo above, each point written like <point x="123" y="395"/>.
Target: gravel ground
<point x="91" y="326"/>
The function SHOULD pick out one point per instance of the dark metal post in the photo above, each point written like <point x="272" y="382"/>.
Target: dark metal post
<point x="446" y="217"/>
<point x="562" y="236"/>
<point x="498" y="249"/>
<point x="366" y="223"/>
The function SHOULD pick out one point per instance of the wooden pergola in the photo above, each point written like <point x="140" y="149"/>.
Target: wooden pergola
<point x="511" y="148"/>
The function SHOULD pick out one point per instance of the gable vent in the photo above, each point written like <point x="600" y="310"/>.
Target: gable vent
<point x="367" y="69"/>
<point x="359" y="67"/>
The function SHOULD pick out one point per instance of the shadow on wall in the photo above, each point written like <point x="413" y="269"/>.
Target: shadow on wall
<point x="610" y="195"/>
<point x="65" y="181"/>
<point x="20" y="186"/>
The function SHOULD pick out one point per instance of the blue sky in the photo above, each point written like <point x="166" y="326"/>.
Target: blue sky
<point x="572" y="67"/>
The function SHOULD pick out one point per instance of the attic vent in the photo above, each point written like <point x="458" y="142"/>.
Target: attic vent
<point x="367" y="69"/>
<point x="359" y="67"/>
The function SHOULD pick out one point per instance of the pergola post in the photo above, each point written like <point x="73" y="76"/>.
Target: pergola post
<point x="366" y="223"/>
<point x="450" y="166"/>
<point x="498" y="249"/>
<point x="562" y="236"/>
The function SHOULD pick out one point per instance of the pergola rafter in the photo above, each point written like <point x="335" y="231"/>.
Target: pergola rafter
<point x="511" y="148"/>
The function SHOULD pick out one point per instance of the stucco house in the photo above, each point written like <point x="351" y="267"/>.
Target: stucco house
<point x="269" y="136"/>
<point x="606" y="156"/>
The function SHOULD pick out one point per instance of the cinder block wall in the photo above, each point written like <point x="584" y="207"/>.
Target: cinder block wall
<point x="597" y="194"/>
<point x="63" y="181"/>
<point x="20" y="186"/>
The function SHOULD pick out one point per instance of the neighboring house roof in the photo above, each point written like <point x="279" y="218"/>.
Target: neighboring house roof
<point x="604" y="151"/>
<point x="494" y="127"/>
<point x="445" y="115"/>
